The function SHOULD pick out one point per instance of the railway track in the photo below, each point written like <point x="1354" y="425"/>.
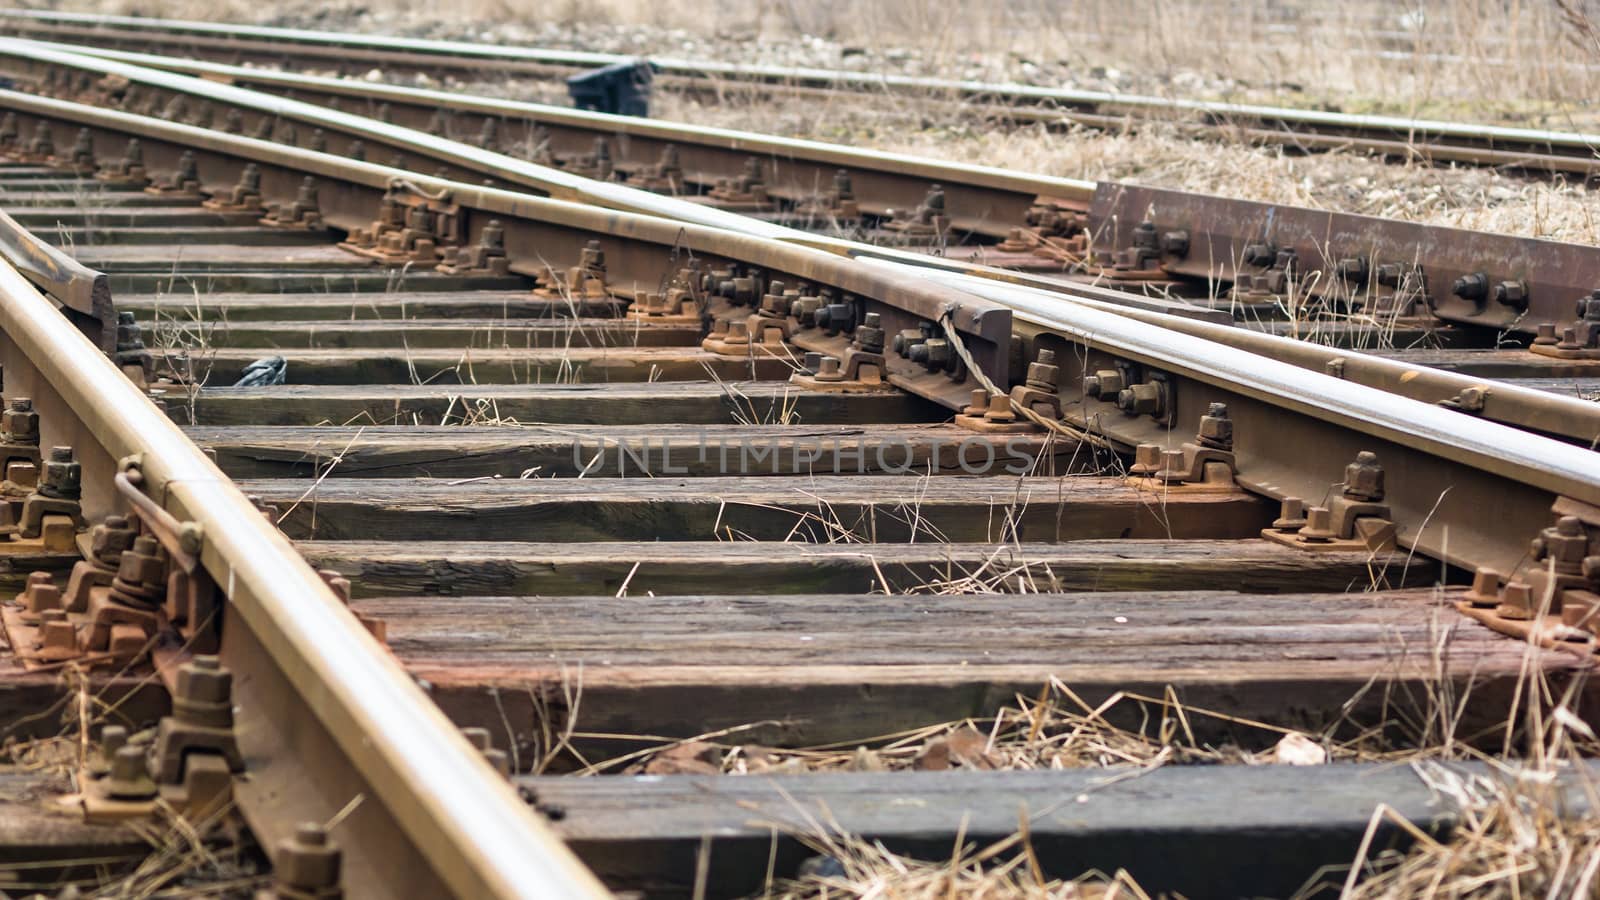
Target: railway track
<point x="649" y="501"/>
<point x="1534" y="151"/>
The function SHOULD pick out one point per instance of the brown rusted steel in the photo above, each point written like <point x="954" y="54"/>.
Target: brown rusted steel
<point x="72" y="284"/>
<point x="538" y="233"/>
<point x="1472" y="277"/>
<point x="1295" y="431"/>
<point x="1532" y="150"/>
<point x="978" y="199"/>
<point x="1549" y="413"/>
<point x="324" y="717"/>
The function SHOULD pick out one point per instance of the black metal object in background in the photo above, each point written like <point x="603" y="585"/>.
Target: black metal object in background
<point x="621" y="89"/>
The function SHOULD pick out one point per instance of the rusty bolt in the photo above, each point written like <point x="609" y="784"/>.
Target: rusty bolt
<point x="1142" y="399"/>
<point x="58" y="637"/>
<point x="1172" y="467"/>
<point x="133" y="154"/>
<point x="204" y="694"/>
<point x="1591" y="568"/>
<point x="869" y="334"/>
<point x="1104" y="384"/>
<point x="494" y="236"/>
<point x="777" y="305"/>
<point x="1512" y="293"/>
<point x="1353" y="269"/>
<point x="1144" y="236"/>
<point x="1485" y="591"/>
<point x="1471" y="287"/>
<point x="1589" y="307"/>
<point x="41" y="595"/>
<point x="738" y="331"/>
<point x="1517" y="601"/>
<point x="1319" y="526"/>
<point x="978" y="404"/>
<point x="1043" y="371"/>
<point x="1175" y="243"/>
<point x="1363" y="479"/>
<point x="43" y="144"/>
<point x="835" y="317"/>
<point x="1216" y="429"/>
<point x="1146" y="460"/>
<point x="1545" y="335"/>
<point x="999" y="411"/>
<point x="934" y="354"/>
<point x="130" y="775"/>
<point x="112" y="739"/>
<point x="811" y="362"/>
<point x="907" y="338"/>
<point x="307" y="864"/>
<point x="828" y="369"/>
<point x="1259" y="254"/>
<point x="1567" y="543"/>
<point x="141" y="564"/>
<point x="83" y="148"/>
<point x="805" y="309"/>
<point x="63" y="475"/>
<point x="1390" y="274"/>
<point x="1569" y="340"/>
<point x="1291" y="515"/>
<point x="19" y="422"/>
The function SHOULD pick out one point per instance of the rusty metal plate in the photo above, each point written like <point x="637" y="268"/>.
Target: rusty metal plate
<point x="1221" y="231"/>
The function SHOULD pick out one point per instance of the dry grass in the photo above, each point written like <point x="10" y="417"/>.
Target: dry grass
<point x="853" y="868"/>
<point x="1534" y="64"/>
<point x="1529" y="61"/>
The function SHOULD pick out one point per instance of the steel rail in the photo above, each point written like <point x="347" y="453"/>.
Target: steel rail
<point x="1533" y="149"/>
<point x="1446" y="470"/>
<point x="910" y="301"/>
<point x="539" y="231"/>
<point x="1472" y="277"/>
<point x="979" y="199"/>
<point x="429" y="811"/>
<point x="1528" y="409"/>
<point x="1511" y="405"/>
<point x="83" y="292"/>
<point x="1217" y="230"/>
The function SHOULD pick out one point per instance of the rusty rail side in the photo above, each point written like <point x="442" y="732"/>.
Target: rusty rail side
<point x="76" y="287"/>
<point x="325" y="717"/>
<point x="1473" y="277"/>
<point x="1435" y="465"/>
<point x="540" y="233"/>
<point x="1548" y="413"/>
<point x="1294" y="430"/>
<point x="1399" y="137"/>
<point x="983" y="199"/>
<point x="1506" y="404"/>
